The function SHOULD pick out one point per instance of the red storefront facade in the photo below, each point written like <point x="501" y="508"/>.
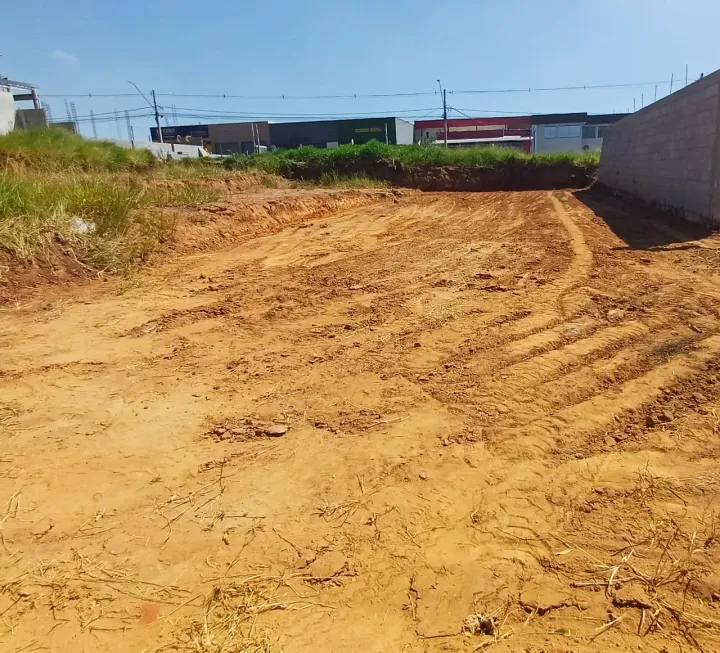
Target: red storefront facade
<point x="506" y="131"/>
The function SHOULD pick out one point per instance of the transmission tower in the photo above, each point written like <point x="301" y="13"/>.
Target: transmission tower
<point x="131" y="136"/>
<point x="73" y="112"/>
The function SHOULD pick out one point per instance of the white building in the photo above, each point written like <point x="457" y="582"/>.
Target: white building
<point x="165" y="150"/>
<point x="570" y="132"/>
<point x="7" y="110"/>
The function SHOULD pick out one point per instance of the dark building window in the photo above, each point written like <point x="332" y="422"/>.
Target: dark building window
<point x="589" y="131"/>
<point x="226" y="148"/>
<point x="601" y="131"/>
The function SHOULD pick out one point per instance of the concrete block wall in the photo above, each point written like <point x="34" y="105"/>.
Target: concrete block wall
<point x="669" y="152"/>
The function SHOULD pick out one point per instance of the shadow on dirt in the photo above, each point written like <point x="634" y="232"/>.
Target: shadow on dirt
<point x="640" y="225"/>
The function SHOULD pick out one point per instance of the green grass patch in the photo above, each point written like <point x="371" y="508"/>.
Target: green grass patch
<point x="113" y="214"/>
<point x="54" y="149"/>
<point x="338" y="180"/>
<point x="102" y="200"/>
<point x="411" y="156"/>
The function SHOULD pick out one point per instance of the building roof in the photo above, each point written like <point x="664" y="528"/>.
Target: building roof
<point x="605" y="118"/>
<point x="556" y="118"/>
<point x="584" y="118"/>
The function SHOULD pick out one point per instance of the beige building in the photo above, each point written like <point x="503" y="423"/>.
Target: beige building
<point x="221" y="138"/>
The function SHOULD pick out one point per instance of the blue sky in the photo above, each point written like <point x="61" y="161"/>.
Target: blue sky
<point x="345" y="47"/>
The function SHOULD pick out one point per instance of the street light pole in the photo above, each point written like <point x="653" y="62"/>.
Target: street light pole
<point x="153" y="105"/>
<point x="445" y="117"/>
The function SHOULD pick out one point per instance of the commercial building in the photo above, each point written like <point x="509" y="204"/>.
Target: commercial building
<point x="669" y="152"/>
<point x="565" y="132"/>
<point x="513" y="131"/>
<point x="244" y="137"/>
<point x="331" y="133"/>
<point x="318" y="133"/>
<point x="221" y="138"/>
<point x="570" y="132"/>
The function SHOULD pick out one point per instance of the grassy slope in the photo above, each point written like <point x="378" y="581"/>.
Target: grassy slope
<point x="56" y="149"/>
<point x="51" y="181"/>
<point x="409" y="155"/>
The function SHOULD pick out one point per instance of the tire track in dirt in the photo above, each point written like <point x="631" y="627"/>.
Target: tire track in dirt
<point x="465" y="321"/>
<point x="598" y="413"/>
<point x="543" y="367"/>
<point x="556" y="303"/>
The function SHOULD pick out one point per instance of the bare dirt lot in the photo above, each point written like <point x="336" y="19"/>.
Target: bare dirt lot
<point x="426" y="422"/>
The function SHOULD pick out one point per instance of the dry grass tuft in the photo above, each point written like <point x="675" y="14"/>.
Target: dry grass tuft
<point x="229" y="618"/>
<point x="660" y="565"/>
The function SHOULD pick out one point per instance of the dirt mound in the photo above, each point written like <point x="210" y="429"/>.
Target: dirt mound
<point x="237" y="217"/>
<point x="241" y="217"/>
<point x="58" y="267"/>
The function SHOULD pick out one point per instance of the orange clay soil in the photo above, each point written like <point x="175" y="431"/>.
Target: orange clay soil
<point x="426" y="422"/>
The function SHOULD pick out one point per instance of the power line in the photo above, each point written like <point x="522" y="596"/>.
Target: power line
<point x="212" y="117"/>
<point x="496" y="112"/>
<point x="85" y="119"/>
<point x="110" y="113"/>
<point x="270" y="114"/>
<point x="557" y="88"/>
<point x="352" y="96"/>
<point x="246" y="97"/>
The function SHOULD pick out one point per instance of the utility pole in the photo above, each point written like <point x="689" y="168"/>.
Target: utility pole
<point x="157" y="116"/>
<point x="153" y="106"/>
<point x="445" y="117"/>
<point x="672" y="79"/>
<point x="686" y="73"/>
<point x="92" y="121"/>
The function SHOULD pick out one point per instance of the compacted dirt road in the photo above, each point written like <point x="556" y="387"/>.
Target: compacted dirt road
<point x="421" y="422"/>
